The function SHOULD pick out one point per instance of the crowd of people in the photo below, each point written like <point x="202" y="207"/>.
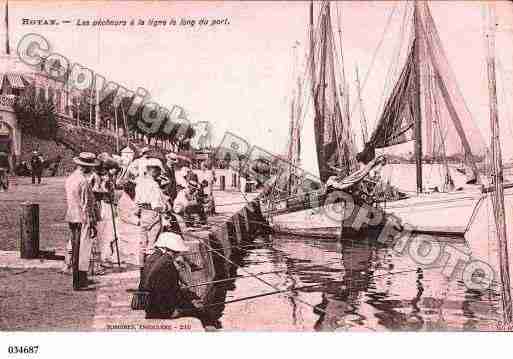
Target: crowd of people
<point x="117" y="210"/>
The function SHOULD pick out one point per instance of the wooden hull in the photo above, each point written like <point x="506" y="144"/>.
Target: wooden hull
<point x="324" y="223"/>
<point x="448" y="215"/>
<point x="438" y="213"/>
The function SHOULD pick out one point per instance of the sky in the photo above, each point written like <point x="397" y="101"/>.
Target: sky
<point x="239" y="76"/>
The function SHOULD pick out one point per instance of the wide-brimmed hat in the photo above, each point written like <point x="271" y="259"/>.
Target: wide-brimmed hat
<point x="172" y="157"/>
<point x="145" y="150"/>
<point x="153" y="162"/>
<point x="171" y="241"/>
<point x="193" y="184"/>
<point x="86" y="159"/>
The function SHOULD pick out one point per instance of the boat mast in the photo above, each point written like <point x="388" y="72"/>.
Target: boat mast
<point x="312" y="50"/>
<point x="363" y="119"/>
<point x="443" y="88"/>
<point x="290" y="152"/>
<point x="418" y="120"/>
<point x="7" y="45"/>
<point x="497" y="175"/>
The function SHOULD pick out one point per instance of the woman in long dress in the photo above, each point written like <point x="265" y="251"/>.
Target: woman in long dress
<point x="128" y="226"/>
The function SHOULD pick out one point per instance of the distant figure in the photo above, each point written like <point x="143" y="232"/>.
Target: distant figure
<point x="54" y="167"/>
<point x="171" y="161"/>
<point x="207" y="179"/>
<point x="4" y="170"/>
<point x="36" y="166"/>
<point x="82" y="216"/>
<point x="160" y="276"/>
<point x="188" y="203"/>
<point x="181" y="177"/>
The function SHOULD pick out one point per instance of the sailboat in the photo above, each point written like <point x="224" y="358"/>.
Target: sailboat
<point x="426" y="108"/>
<point x="296" y="208"/>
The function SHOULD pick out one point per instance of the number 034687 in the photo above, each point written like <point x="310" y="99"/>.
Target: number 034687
<point x="22" y="349"/>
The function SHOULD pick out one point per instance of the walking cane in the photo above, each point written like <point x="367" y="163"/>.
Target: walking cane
<point x="111" y="200"/>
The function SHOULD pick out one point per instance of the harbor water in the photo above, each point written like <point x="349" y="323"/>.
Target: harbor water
<point x="352" y="285"/>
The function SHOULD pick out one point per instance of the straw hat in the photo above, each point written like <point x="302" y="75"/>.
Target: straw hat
<point x="153" y="162"/>
<point x="87" y="159"/>
<point x="172" y="157"/>
<point x="171" y="241"/>
<point x="193" y="184"/>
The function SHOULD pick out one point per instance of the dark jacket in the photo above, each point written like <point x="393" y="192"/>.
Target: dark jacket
<point x="171" y="188"/>
<point x="160" y="278"/>
<point x="36" y="163"/>
<point x="4" y="160"/>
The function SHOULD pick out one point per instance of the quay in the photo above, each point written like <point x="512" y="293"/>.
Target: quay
<point x="215" y="252"/>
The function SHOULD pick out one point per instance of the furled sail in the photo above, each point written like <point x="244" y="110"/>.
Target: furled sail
<point x="397" y="121"/>
<point x="426" y="93"/>
<point x="333" y="137"/>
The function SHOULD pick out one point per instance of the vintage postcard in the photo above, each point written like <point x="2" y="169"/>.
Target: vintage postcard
<point x="255" y="166"/>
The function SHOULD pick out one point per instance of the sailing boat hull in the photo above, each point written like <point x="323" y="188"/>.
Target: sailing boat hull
<point x="447" y="214"/>
<point x="442" y="214"/>
<point x="326" y="223"/>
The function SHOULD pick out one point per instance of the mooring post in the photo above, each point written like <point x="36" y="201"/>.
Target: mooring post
<point x="238" y="229"/>
<point x="242" y="226"/>
<point x="246" y="218"/>
<point x="341" y="233"/>
<point x="29" y="230"/>
<point x="222" y="183"/>
<point x="234" y="180"/>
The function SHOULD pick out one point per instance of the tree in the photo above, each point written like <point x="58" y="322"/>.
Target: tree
<point x="180" y="139"/>
<point x="36" y="114"/>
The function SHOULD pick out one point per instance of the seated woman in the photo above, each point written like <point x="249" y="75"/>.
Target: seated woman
<point x="187" y="204"/>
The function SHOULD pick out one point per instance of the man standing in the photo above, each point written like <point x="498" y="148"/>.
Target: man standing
<point x="81" y="216"/>
<point x="36" y="164"/>
<point x="4" y="170"/>
<point x="152" y="202"/>
<point x="171" y="161"/>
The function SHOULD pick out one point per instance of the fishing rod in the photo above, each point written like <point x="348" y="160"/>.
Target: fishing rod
<point x="268" y="294"/>
<point x="232" y="278"/>
<point x="113" y="214"/>
<point x="130" y="290"/>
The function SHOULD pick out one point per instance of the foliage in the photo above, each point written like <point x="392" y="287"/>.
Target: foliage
<point x="36" y="115"/>
<point x="182" y="141"/>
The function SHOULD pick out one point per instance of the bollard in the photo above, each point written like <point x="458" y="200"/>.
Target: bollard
<point x="29" y="230"/>
<point x="242" y="227"/>
<point x="238" y="229"/>
<point x="230" y="233"/>
<point x="246" y="218"/>
<point x="250" y="186"/>
<point x="222" y="183"/>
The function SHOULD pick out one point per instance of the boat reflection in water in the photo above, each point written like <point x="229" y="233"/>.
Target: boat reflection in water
<point x="361" y="286"/>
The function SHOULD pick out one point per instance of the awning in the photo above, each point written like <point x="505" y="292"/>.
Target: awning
<point x="15" y="80"/>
